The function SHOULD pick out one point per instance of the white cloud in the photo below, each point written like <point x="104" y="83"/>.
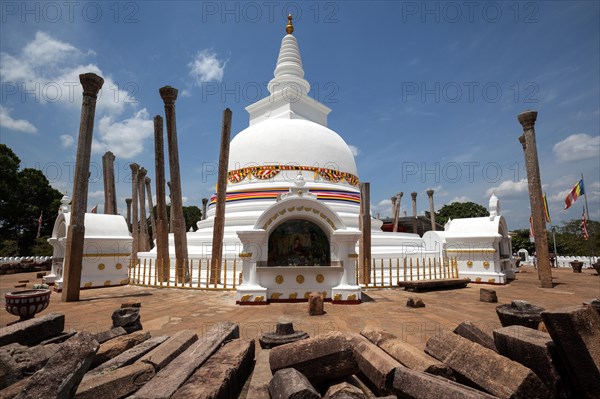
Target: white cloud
<point x="462" y="198"/>
<point x="20" y="125"/>
<point x="577" y="147"/>
<point x="508" y="188"/>
<point x="96" y="194"/>
<point x="66" y="140"/>
<point x="354" y="149"/>
<point x="124" y="138"/>
<point x="207" y="67"/>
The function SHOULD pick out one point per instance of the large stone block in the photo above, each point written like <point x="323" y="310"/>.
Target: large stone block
<point x="162" y="355"/>
<point x="114" y="347"/>
<point x="18" y="361"/>
<point x="485" y="369"/>
<point x="344" y="390"/>
<point x="413" y="384"/>
<point x="223" y="375"/>
<point x="32" y="331"/>
<point x="320" y="359"/>
<point x="117" y="383"/>
<point x="470" y="331"/>
<point x="576" y="334"/>
<point x="531" y="348"/>
<point x="520" y="313"/>
<point x="405" y="353"/>
<point x="315" y="304"/>
<point x="114" y="332"/>
<point x="291" y="384"/>
<point x="128" y="318"/>
<point x="261" y="376"/>
<point x="374" y="364"/>
<point x="174" y="374"/>
<point x="64" y="370"/>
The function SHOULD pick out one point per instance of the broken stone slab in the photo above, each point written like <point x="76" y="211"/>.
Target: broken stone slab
<point x="117" y="383"/>
<point x="13" y="390"/>
<point x="415" y="384"/>
<point x="531" y="348"/>
<point x="519" y="313"/>
<point x="576" y="334"/>
<point x="223" y="375"/>
<point x="18" y="361"/>
<point x="487" y="295"/>
<point x="320" y="359"/>
<point x="31" y="332"/>
<point x="406" y="353"/>
<point x="470" y="331"/>
<point x="64" y="370"/>
<point x="374" y="364"/>
<point x="291" y="384"/>
<point x="344" y="390"/>
<point x="114" y="332"/>
<point x="415" y="302"/>
<point x="162" y="355"/>
<point x="114" y="347"/>
<point x="174" y="374"/>
<point x="126" y="358"/>
<point x="284" y="334"/>
<point x="259" y="381"/>
<point x="315" y="304"/>
<point x="485" y="369"/>
<point x="595" y="303"/>
<point x="128" y="318"/>
<point x="59" y="339"/>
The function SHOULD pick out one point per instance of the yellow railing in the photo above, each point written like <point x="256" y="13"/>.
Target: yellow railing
<point x="197" y="275"/>
<point x="385" y="273"/>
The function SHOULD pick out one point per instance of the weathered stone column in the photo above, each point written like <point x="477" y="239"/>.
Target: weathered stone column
<point x="397" y="210"/>
<point x="128" y="203"/>
<point x="150" y="209"/>
<point x="414" y="205"/>
<point x="135" y="228"/>
<point x="364" y="245"/>
<point x="219" y="224"/>
<point x="204" y="203"/>
<point x="170" y="209"/>
<point x="144" y="244"/>
<point x="108" y="172"/>
<point x="92" y="84"/>
<point x="527" y="120"/>
<point x="162" y="228"/>
<point x="169" y="95"/>
<point x="431" y="209"/>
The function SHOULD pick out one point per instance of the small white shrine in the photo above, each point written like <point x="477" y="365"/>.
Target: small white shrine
<point x="482" y="246"/>
<point x="106" y="250"/>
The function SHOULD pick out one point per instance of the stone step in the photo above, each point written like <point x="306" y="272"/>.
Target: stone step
<point x="33" y="331"/>
<point x="117" y="383"/>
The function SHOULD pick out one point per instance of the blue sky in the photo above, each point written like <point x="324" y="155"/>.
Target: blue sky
<point x="427" y="93"/>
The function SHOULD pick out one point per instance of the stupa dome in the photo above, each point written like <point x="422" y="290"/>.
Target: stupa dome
<point x="295" y="142"/>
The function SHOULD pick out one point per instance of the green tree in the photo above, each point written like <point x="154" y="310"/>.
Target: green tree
<point x="24" y="196"/>
<point x="459" y="210"/>
<point x="520" y="240"/>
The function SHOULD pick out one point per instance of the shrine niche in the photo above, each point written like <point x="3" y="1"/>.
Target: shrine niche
<point x="298" y="242"/>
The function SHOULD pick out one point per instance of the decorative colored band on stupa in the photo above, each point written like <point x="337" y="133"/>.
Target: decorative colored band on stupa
<point x="267" y="172"/>
<point x="324" y="195"/>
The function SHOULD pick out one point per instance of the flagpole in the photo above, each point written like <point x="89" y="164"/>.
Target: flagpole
<point x="587" y="212"/>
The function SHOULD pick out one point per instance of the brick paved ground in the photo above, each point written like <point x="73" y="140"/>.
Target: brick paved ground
<point x="165" y="311"/>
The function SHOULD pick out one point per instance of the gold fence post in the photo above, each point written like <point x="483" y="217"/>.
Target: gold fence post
<point x="429" y="263"/>
<point x="208" y="262"/>
<point x="199" y="272"/>
<point x="225" y="273"/>
<point x="169" y="279"/>
<point x="191" y="272"/>
<point x="234" y="273"/>
<point x="404" y="264"/>
<point x="411" y="269"/>
<point x="418" y="272"/>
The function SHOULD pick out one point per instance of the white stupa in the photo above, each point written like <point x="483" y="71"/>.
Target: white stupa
<point x="288" y="149"/>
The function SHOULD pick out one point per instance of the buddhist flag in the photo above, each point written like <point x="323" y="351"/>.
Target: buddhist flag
<point x="584" y="225"/>
<point x="546" y="213"/>
<point x="39" y="225"/>
<point x="575" y="193"/>
<point x="95" y="209"/>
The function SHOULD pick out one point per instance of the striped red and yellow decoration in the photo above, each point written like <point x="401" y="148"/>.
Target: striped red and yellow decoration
<point x="323" y="195"/>
<point x="266" y="172"/>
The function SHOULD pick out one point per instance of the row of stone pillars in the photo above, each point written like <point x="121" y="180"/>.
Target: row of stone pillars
<point x="396" y="200"/>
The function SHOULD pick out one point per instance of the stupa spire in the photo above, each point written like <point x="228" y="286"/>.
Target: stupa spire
<point x="289" y="74"/>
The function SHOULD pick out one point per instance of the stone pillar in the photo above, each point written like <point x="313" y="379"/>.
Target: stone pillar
<point x="204" y="203"/>
<point x="527" y="120"/>
<point x="162" y="228"/>
<point x="169" y="95"/>
<point x="170" y="209"/>
<point x="108" y="172"/>
<point x="135" y="228"/>
<point x="414" y="204"/>
<point x="431" y="209"/>
<point x="219" y="221"/>
<point x="128" y="203"/>
<point x="364" y="246"/>
<point x="76" y="234"/>
<point x="144" y="243"/>
<point x="397" y="210"/>
<point x="150" y="209"/>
